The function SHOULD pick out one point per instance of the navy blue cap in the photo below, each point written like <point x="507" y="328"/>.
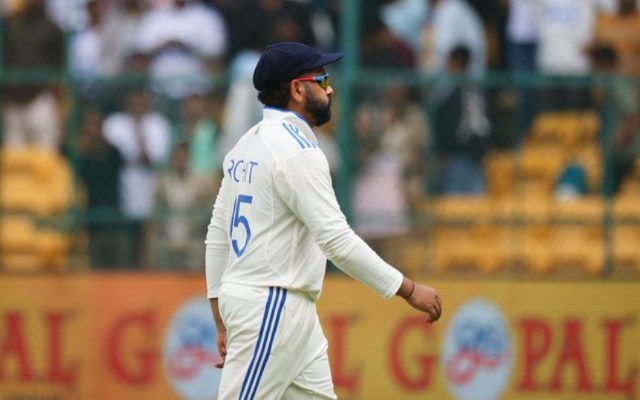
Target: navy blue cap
<point x="284" y="61"/>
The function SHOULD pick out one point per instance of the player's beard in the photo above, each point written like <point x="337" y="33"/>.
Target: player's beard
<point x="320" y="111"/>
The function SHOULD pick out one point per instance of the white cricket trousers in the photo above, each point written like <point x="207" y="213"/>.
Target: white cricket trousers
<point x="275" y="345"/>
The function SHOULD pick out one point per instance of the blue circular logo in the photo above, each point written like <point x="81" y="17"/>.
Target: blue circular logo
<point x="478" y="356"/>
<point x="190" y="352"/>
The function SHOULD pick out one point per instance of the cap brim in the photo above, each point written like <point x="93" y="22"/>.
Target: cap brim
<point x="326" y="59"/>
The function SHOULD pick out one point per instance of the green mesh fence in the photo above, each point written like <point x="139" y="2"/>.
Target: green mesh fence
<point x="508" y="174"/>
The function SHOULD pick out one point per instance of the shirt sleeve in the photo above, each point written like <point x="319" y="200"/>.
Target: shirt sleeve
<point x="217" y="244"/>
<point x="304" y="184"/>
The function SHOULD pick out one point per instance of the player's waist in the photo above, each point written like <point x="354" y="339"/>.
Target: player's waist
<point x="255" y="290"/>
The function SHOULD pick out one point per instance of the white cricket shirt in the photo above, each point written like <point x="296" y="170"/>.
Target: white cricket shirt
<point x="276" y="219"/>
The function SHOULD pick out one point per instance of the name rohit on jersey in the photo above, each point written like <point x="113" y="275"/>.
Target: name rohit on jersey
<point x="241" y="171"/>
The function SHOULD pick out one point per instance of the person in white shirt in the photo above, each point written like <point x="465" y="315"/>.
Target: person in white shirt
<point x="275" y="222"/>
<point x="86" y="45"/>
<point x="70" y="15"/>
<point x="565" y="29"/>
<point x="450" y="24"/>
<point x="404" y="18"/>
<point x="101" y="49"/>
<point x="522" y="34"/>
<point x="183" y="41"/>
<point x="143" y="137"/>
<point x="241" y="108"/>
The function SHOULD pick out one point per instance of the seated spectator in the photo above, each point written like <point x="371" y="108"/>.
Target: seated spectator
<point x="99" y="166"/>
<point x="522" y="35"/>
<point x="184" y="40"/>
<point x="452" y="23"/>
<point x="621" y="96"/>
<point x="122" y="21"/>
<point x="565" y="30"/>
<point x="143" y="137"/>
<point x="404" y="18"/>
<point x="86" y="48"/>
<point x="268" y="21"/>
<point x="242" y="109"/>
<point x="521" y="52"/>
<point x="381" y="48"/>
<point x="199" y="131"/>
<point x="572" y="182"/>
<point x="289" y="21"/>
<point x="181" y="214"/>
<point x="461" y="129"/>
<point x="30" y="111"/>
<point x="388" y="188"/>
<point x="621" y="30"/>
<point x="573" y="21"/>
<point x="70" y="15"/>
<point x="102" y="48"/>
<point x="136" y="66"/>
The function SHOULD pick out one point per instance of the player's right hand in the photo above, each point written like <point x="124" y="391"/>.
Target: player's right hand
<point x="222" y="346"/>
<point x="425" y="298"/>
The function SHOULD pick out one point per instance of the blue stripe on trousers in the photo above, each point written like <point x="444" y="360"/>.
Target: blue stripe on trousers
<point x="255" y="352"/>
<point x="256" y="368"/>
<point x="262" y="346"/>
<point x="280" y="307"/>
<point x="265" y="339"/>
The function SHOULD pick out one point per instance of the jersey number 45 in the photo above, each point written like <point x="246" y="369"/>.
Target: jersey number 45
<point x="239" y="220"/>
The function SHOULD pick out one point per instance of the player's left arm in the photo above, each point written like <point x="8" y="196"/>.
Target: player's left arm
<point x="216" y="258"/>
<point x="217" y="243"/>
<point x="222" y="332"/>
<point x="304" y="184"/>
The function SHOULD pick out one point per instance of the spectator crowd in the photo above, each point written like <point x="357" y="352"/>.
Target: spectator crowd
<point x="161" y="89"/>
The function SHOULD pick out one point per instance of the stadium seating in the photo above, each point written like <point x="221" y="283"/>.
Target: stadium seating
<point x="566" y="128"/>
<point x="589" y="209"/>
<point x="537" y="250"/>
<point x="453" y="247"/>
<point x="469" y="233"/>
<point x="552" y="247"/>
<point x="28" y="248"/>
<point x="630" y="186"/>
<point x="589" y="156"/>
<point x="462" y="208"/>
<point x="626" y="207"/>
<point x="519" y="221"/>
<point x="495" y="247"/>
<point x="541" y="161"/>
<point x="36" y="190"/>
<point x="415" y="256"/>
<point x="626" y="231"/>
<point x="501" y="173"/>
<point x="580" y="246"/>
<point x="626" y="248"/>
<point x="537" y="231"/>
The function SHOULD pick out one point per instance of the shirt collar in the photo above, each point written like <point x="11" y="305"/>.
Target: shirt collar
<point x="278" y="113"/>
<point x="274" y="113"/>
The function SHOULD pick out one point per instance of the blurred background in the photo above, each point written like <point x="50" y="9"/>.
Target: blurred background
<point x="489" y="148"/>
